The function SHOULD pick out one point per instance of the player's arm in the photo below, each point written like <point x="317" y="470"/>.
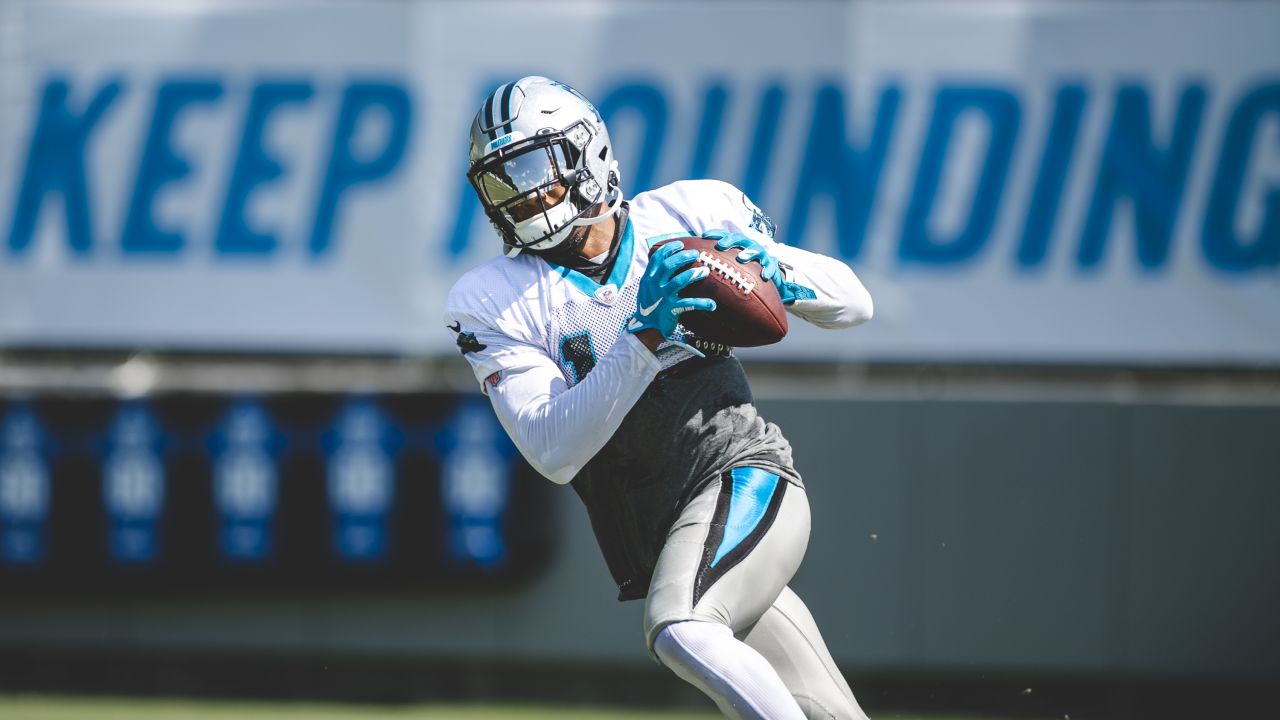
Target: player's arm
<point x="818" y="289"/>
<point x="557" y="428"/>
<point x="839" y="299"/>
<point x="560" y="428"/>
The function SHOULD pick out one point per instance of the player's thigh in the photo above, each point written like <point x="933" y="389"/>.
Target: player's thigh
<point x="734" y="547"/>
<point x="787" y="636"/>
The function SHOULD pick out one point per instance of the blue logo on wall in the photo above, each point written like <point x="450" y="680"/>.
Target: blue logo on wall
<point x="245" y="482"/>
<point x="24" y="488"/>
<point x="360" y="479"/>
<point x="475" y="484"/>
<point x="133" y="485"/>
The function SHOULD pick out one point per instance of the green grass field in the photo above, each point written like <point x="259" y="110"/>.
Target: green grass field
<point x="38" y="707"/>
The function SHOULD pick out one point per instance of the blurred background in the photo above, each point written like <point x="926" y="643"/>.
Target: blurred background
<point x="241" y="458"/>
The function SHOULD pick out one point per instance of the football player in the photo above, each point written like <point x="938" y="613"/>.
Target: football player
<point x="575" y="336"/>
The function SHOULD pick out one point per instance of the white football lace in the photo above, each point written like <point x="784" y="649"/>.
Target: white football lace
<point x="743" y="281"/>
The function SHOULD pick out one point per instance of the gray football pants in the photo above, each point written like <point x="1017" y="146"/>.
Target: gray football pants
<point x="727" y="560"/>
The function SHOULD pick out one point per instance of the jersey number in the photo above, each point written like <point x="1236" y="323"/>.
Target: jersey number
<point x="578" y="354"/>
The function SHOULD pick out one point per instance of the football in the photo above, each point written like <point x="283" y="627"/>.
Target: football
<point x="749" y="310"/>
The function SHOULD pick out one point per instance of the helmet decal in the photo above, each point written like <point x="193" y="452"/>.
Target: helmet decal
<point x="503" y="140"/>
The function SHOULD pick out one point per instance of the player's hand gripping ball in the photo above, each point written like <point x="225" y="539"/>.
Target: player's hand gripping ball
<point x="661" y="301"/>
<point x="748" y="310"/>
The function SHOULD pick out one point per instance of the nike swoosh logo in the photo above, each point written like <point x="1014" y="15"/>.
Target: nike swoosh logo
<point x="645" y="311"/>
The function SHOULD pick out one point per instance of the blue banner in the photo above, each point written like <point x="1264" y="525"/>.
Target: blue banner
<point x="1014" y="181"/>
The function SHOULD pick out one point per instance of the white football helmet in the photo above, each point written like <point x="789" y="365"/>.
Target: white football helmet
<point x="542" y="163"/>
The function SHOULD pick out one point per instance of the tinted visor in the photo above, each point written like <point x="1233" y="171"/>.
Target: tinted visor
<point x="523" y="172"/>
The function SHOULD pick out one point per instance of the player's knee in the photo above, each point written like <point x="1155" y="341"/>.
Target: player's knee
<point x="670" y="649"/>
<point x="684" y="646"/>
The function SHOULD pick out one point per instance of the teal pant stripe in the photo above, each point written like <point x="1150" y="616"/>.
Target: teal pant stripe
<point x="753" y="489"/>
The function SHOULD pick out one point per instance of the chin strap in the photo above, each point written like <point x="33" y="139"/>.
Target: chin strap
<point x="613" y="207"/>
<point x="569" y="254"/>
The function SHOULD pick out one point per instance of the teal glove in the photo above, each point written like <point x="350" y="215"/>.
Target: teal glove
<point x="751" y="250"/>
<point x="770" y="268"/>
<point x="659" y="304"/>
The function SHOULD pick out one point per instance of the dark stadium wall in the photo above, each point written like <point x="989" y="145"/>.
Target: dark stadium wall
<point x="1055" y="538"/>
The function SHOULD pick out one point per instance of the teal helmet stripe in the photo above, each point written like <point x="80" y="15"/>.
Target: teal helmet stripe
<point x="488" y="109"/>
<point x="488" y="114"/>
<point x="506" y="107"/>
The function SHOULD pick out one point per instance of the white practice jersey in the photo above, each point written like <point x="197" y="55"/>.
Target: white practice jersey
<point x="532" y="330"/>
